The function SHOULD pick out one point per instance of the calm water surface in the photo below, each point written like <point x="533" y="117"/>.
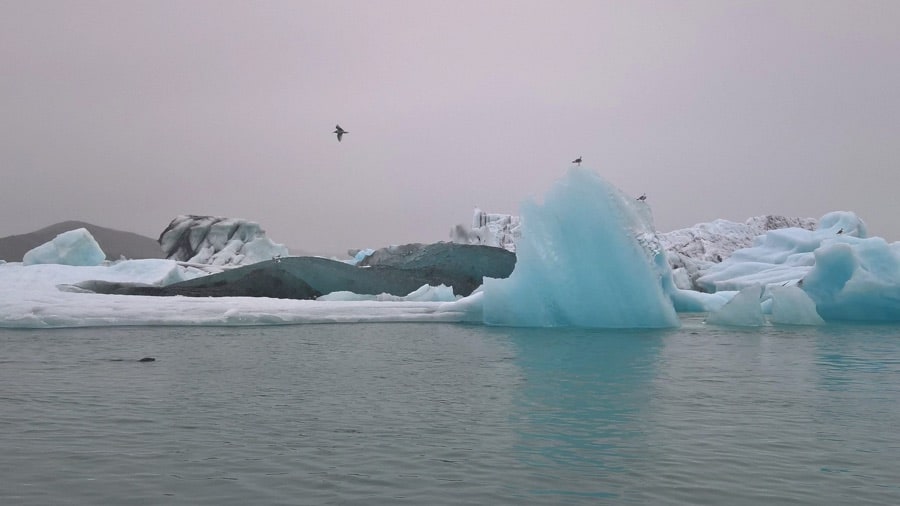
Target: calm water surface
<point x="450" y="414"/>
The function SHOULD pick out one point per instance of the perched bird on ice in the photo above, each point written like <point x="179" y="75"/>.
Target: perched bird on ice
<point x="340" y="132"/>
<point x="577" y="161"/>
<point x="642" y="197"/>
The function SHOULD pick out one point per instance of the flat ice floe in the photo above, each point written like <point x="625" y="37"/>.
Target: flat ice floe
<point x="31" y="297"/>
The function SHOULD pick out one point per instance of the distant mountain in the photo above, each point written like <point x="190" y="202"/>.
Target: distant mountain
<point x="115" y="243"/>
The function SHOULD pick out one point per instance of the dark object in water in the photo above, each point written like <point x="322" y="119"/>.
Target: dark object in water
<point x="147" y="359"/>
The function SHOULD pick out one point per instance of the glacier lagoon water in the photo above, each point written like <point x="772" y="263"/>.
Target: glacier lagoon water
<point x="450" y="414"/>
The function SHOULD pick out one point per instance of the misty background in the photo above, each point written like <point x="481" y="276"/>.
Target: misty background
<point x="126" y="114"/>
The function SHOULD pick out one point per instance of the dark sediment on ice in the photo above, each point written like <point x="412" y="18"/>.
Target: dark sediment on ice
<point x="462" y="267"/>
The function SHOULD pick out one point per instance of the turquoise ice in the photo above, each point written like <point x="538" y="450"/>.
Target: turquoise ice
<point x="588" y="257"/>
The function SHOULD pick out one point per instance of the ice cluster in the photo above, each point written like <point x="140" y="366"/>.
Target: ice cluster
<point x="216" y="240"/>
<point x="587" y="256"/>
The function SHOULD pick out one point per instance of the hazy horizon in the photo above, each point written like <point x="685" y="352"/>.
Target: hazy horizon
<point x="126" y="114"/>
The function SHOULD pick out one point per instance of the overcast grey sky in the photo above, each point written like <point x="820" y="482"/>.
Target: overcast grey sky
<point x="127" y="113"/>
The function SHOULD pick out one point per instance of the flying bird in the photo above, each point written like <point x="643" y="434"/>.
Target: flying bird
<point x="642" y="197"/>
<point x="340" y="132"/>
<point x="577" y="161"/>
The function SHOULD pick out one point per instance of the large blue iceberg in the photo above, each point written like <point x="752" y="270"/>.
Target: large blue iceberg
<point x="588" y="257"/>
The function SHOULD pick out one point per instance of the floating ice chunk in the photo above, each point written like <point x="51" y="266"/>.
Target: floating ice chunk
<point x="218" y="241"/>
<point x="780" y="256"/>
<point x="17" y="279"/>
<point x="792" y="306"/>
<point x="425" y="293"/>
<point x="428" y="293"/>
<point x="345" y="296"/>
<point x="856" y="279"/>
<point x="151" y="271"/>
<point x="359" y="255"/>
<point x="75" y="247"/>
<point x="687" y="301"/>
<point x="260" y="249"/>
<point x="585" y="259"/>
<point x="467" y="309"/>
<point x="743" y="310"/>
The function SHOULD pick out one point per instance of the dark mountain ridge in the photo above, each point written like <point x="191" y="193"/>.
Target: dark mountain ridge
<point x="115" y="243"/>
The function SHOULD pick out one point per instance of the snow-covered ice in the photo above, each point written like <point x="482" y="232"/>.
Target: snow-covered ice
<point x="425" y="293"/>
<point x="30" y="297"/>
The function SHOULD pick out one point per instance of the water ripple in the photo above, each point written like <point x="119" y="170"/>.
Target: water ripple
<point x="450" y="414"/>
